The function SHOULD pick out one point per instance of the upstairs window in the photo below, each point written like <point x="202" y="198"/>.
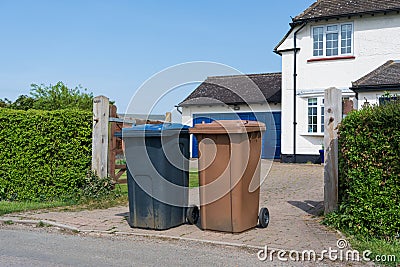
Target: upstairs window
<point x="346" y="38"/>
<point x="332" y="40"/>
<point x="318" y="38"/>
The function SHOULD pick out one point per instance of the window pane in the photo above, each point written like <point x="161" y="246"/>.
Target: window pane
<point x="312" y="101"/>
<point x="322" y="119"/>
<point x="332" y="43"/>
<point x="346" y="38"/>
<point x="332" y="28"/>
<point x="312" y="115"/>
<point x="317" y="30"/>
<point x="318" y="41"/>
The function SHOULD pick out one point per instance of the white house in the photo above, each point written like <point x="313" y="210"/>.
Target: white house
<point x="334" y="43"/>
<point x="353" y="45"/>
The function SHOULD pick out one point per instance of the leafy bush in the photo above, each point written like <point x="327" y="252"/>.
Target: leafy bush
<point x="95" y="187"/>
<point x="59" y="96"/>
<point x="369" y="172"/>
<point x="44" y="154"/>
<point x="52" y="97"/>
<point x="23" y="102"/>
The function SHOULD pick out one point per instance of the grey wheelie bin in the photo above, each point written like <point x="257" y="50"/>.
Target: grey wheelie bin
<point x="157" y="165"/>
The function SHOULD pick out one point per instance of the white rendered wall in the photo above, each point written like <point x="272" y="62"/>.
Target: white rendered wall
<point x="372" y="97"/>
<point x="376" y="40"/>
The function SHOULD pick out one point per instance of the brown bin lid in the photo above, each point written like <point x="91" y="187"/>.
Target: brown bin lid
<point x="227" y="126"/>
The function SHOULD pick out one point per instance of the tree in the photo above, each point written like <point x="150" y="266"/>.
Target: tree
<point x="23" y="102"/>
<point x="59" y="96"/>
<point x="4" y="103"/>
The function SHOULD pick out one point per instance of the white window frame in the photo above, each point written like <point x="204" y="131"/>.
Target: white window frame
<point x="320" y="116"/>
<point x="324" y="38"/>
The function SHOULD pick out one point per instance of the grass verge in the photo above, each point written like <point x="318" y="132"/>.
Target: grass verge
<point x="101" y="203"/>
<point x="193" y="178"/>
<point x="7" y="207"/>
<point x="383" y="252"/>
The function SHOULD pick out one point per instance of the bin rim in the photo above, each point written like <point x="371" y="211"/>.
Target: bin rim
<point x="227" y="127"/>
<point x="147" y="130"/>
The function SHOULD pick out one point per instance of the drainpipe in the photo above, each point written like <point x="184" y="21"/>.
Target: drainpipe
<point x="295" y="88"/>
<point x="177" y="109"/>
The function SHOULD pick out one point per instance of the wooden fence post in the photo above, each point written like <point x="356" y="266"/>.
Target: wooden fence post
<point x="112" y="143"/>
<point x="100" y="135"/>
<point x="333" y="116"/>
<point x="168" y="116"/>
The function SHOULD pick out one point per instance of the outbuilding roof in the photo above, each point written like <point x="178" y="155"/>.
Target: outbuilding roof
<point x="386" y="76"/>
<point x="323" y="9"/>
<point x="237" y="89"/>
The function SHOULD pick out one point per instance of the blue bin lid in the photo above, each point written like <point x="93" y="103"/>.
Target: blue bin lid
<point x="164" y="129"/>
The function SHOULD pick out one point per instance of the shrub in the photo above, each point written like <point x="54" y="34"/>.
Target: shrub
<point x="44" y="154"/>
<point x="369" y="172"/>
<point x="95" y="187"/>
<point x="59" y="96"/>
<point x="52" y="97"/>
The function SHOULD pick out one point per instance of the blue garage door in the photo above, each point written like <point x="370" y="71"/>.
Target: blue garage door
<point x="271" y="145"/>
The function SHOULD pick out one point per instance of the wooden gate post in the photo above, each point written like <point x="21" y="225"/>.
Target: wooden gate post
<point x="333" y="116"/>
<point x="100" y="135"/>
<point x="112" y="143"/>
<point x="168" y="117"/>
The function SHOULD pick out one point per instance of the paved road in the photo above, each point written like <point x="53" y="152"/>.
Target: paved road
<point x="25" y="246"/>
<point x="40" y="248"/>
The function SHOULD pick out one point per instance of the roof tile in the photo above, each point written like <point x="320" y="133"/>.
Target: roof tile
<point x="387" y="75"/>
<point x="336" y="8"/>
<point x="237" y="89"/>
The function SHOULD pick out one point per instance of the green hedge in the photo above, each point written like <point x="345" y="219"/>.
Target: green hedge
<point x="43" y="154"/>
<point x="369" y="167"/>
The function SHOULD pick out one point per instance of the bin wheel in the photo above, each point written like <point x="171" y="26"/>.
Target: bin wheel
<point x="263" y="217"/>
<point x="192" y="214"/>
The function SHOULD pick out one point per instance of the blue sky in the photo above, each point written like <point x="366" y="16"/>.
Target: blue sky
<point x="112" y="47"/>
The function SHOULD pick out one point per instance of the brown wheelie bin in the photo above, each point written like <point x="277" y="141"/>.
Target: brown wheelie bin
<point x="229" y="175"/>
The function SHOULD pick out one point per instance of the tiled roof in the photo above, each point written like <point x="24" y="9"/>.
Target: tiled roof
<point x="252" y="88"/>
<point x="338" y="8"/>
<point x="386" y="76"/>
